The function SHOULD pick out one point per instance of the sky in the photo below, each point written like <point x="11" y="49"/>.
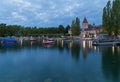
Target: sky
<point x="48" y="13"/>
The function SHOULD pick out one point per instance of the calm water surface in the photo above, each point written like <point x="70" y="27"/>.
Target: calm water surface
<point x="63" y="62"/>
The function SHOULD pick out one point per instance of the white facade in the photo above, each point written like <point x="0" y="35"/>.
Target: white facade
<point x="88" y="31"/>
<point x="84" y="25"/>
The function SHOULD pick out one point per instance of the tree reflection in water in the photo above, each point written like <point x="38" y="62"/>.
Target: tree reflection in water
<point x="111" y="62"/>
<point x="75" y="50"/>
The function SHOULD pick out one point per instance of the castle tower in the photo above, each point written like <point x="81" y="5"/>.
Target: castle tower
<point x="85" y="23"/>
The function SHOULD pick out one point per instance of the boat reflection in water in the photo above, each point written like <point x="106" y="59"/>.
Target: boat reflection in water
<point x="8" y="45"/>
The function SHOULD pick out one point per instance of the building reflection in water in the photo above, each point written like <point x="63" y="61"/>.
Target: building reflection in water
<point x="31" y="43"/>
<point x="60" y="45"/>
<point x="95" y="48"/>
<point x="75" y="47"/>
<point x="21" y="43"/>
<point x="118" y="48"/>
<point x="113" y="50"/>
<point x="71" y="44"/>
<point x="90" y="44"/>
<point x="84" y="44"/>
<point x="86" y="48"/>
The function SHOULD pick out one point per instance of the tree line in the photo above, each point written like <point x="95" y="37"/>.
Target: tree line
<point x="17" y="30"/>
<point x="111" y="18"/>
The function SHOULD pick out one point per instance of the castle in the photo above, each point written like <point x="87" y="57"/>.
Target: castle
<point x="90" y="31"/>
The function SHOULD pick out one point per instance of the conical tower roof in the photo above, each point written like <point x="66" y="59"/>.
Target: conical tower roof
<point x="85" y="20"/>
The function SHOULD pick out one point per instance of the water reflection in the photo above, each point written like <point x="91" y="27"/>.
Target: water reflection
<point x="111" y="63"/>
<point x="86" y="48"/>
<point x="75" y="50"/>
<point x="72" y="61"/>
<point x="73" y="47"/>
<point x="76" y="47"/>
<point x="60" y="45"/>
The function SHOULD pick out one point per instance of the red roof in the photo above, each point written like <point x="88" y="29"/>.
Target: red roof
<point x="85" y="20"/>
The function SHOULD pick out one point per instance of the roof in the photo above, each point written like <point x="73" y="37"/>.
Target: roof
<point x="85" y="20"/>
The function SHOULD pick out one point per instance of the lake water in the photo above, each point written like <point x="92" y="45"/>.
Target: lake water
<point x="77" y="61"/>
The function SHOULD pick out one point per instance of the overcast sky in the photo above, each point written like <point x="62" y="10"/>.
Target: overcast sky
<point x="45" y="13"/>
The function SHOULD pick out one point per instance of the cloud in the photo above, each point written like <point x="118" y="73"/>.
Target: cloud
<point x="50" y="12"/>
<point x="17" y="16"/>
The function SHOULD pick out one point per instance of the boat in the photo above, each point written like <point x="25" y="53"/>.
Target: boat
<point x="33" y="39"/>
<point x="111" y="42"/>
<point x="48" y="42"/>
<point x="67" y="40"/>
<point x="8" y="41"/>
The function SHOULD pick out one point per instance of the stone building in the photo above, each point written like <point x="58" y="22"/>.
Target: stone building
<point x="90" y="31"/>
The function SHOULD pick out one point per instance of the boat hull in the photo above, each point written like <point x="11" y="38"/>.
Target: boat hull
<point x="8" y="41"/>
<point x="106" y="44"/>
<point x="33" y="40"/>
<point x="48" y="43"/>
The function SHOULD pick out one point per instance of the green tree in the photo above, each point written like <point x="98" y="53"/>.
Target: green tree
<point x="61" y="29"/>
<point x="116" y="16"/>
<point x="2" y="29"/>
<point x="111" y="17"/>
<point x="106" y="19"/>
<point x="73" y="27"/>
<point x="76" y="27"/>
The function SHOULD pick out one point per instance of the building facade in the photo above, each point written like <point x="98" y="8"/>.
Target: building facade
<point x="90" y="31"/>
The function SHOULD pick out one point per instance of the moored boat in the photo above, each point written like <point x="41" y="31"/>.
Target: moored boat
<point x="47" y="41"/>
<point x="33" y="39"/>
<point x="8" y="41"/>
<point x="105" y="43"/>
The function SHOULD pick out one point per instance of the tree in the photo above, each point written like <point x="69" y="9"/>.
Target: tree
<point x="61" y="29"/>
<point x="111" y="17"/>
<point x="106" y="19"/>
<point x="73" y="28"/>
<point x="2" y="29"/>
<point x="116" y="16"/>
<point x="76" y="26"/>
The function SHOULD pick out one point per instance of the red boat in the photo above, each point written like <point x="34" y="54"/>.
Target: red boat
<point x="48" y="42"/>
<point x="33" y="39"/>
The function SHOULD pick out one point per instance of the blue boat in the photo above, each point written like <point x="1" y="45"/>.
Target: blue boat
<point x="8" y="41"/>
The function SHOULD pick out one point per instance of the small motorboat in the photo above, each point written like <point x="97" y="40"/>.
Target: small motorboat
<point x="8" y="41"/>
<point x="48" y="42"/>
<point x="33" y="39"/>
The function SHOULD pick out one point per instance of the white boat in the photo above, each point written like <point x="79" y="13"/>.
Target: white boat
<point x="105" y="42"/>
<point x="48" y="42"/>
